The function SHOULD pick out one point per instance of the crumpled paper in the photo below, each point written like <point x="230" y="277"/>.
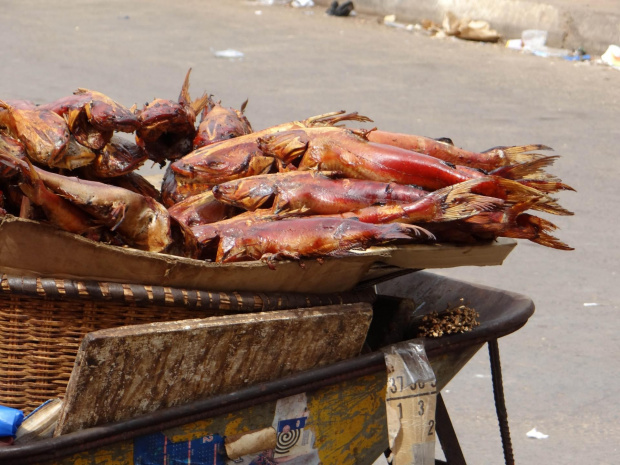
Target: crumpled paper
<point x="535" y="434"/>
<point x="468" y="29"/>
<point x="612" y="56"/>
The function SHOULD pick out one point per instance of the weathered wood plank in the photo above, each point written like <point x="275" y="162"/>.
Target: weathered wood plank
<point x="124" y="372"/>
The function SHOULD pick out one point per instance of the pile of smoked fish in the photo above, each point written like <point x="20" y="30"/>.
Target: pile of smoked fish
<point x="314" y="188"/>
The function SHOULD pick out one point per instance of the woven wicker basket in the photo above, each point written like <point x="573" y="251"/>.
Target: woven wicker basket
<point x="42" y="323"/>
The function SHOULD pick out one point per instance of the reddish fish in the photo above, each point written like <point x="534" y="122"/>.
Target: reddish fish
<point x="221" y="162"/>
<point x="200" y="209"/>
<point x="298" y="238"/>
<point x="488" y="160"/>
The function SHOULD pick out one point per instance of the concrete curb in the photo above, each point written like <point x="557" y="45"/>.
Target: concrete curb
<point x="568" y="26"/>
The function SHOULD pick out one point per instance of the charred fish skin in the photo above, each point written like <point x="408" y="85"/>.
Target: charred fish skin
<point x="100" y="110"/>
<point x="167" y="128"/>
<point x="93" y="117"/>
<point x="106" y="114"/>
<point x="117" y="158"/>
<point x="43" y="133"/>
<point x="218" y="123"/>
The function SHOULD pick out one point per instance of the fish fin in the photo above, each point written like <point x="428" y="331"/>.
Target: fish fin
<point x="243" y="105"/>
<point x="286" y="146"/>
<point x="118" y="213"/>
<point x="445" y="140"/>
<point x="200" y="103"/>
<point x="459" y="202"/>
<point x="548" y="184"/>
<point x="331" y="119"/>
<point x="363" y="133"/>
<point x="9" y="160"/>
<point x="466" y="205"/>
<point x="184" y="97"/>
<point x="412" y="230"/>
<point x="531" y="168"/>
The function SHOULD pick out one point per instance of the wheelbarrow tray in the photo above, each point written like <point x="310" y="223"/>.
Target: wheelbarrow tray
<point x="346" y="400"/>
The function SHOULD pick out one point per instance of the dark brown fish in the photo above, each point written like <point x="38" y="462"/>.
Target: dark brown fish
<point x="218" y="123"/>
<point x="167" y="128"/>
<point x="140" y="220"/>
<point x="117" y="158"/>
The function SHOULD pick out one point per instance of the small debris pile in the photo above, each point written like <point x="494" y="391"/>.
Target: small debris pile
<point x="459" y="319"/>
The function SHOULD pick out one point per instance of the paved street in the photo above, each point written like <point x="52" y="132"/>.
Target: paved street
<point x="561" y="370"/>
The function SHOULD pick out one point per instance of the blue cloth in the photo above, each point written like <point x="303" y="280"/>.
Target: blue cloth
<point x="10" y="419"/>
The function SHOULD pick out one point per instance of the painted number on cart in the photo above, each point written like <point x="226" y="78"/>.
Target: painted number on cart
<point x="397" y="384"/>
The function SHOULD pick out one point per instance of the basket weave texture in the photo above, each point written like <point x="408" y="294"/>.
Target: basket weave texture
<point x="43" y="321"/>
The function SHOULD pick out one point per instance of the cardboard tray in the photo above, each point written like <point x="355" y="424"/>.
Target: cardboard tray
<point x="29" y="248"/>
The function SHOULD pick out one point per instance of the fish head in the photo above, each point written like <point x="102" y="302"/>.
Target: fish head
<point x="286" y="146"/>
<point x="107" y="115"/>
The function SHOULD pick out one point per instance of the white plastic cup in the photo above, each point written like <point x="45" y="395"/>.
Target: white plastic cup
<point x="534" y="38"/>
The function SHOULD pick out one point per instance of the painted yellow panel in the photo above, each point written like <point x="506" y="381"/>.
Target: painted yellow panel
<point x="349" y="421"/>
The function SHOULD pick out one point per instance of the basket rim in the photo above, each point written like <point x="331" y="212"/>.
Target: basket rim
<point x="147" y="295"/>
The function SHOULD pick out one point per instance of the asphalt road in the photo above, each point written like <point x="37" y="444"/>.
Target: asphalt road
<point x="560" y="370"/>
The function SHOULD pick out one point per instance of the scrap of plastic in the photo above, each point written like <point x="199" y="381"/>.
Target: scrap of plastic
<point x="302" y="3"/>
<point x="550" y="52"/>
<point x="514" y="44"/>
<point x="533" y="38"/>
<point x="10" y="419"/>
<point x="229" y="53"/>
<point x="612" y="56"/>
<point x="390" y="20"/>
<point x="416" y="364"/>
<point x="535" y="434"/>
<point x="409" y="370"/>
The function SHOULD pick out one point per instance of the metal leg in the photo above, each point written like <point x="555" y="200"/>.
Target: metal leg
<point x="446" y="435"/>
<point x="500" y="404"/>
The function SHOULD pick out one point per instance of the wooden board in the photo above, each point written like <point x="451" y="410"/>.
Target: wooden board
<point x="28" y="248"/>
<point x="124" y="372"/>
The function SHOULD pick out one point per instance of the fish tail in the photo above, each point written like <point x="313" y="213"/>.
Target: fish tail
<point x="525" y="169"/>
<point x="517" y="192"/>
<point x="537" y="230"/>
<point x="518" y="154"/>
